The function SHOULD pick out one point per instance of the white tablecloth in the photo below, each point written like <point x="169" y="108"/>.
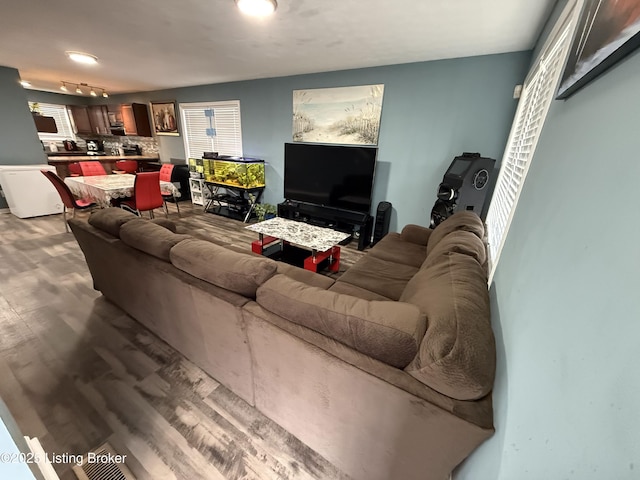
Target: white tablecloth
<point x="101" y="189"/>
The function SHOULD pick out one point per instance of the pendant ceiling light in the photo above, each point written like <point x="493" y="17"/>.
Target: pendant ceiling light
<point x="257" y="8"/>
<point x="63" y="87"/>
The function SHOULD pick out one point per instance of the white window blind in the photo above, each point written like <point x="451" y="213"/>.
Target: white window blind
<point x="538" y="92"/>
<point x="211" y="127"/>
<point x="63" y="123"/>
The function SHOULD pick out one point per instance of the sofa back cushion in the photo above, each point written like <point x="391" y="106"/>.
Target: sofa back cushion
<point x="150" y="237"/>
<point x="457" y="354"/>
<point x="465" y="221"/>
<point x="111" y="219"/>
<point x="238" y="272"/>
<point x="385" y="330"/>
<point x="459" y="241"/>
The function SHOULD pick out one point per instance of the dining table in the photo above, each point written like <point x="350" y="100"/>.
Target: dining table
<point x="102" y="189"/>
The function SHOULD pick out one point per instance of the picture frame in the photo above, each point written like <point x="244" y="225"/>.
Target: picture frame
<point x="164" y="118"/>
<point x="606" y="32"/>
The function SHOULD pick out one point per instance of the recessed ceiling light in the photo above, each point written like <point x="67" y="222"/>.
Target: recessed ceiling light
<point x="80" y="57"/>
<point x="257" y="8"/>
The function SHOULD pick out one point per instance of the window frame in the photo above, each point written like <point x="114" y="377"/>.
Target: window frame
<point x="61" y="113"/>
<point x="210" y="122"/>
<point x="562" y="31"/>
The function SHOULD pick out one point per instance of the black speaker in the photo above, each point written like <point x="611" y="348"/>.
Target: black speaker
<point x="467" y="185"/>
<point x="383" y="217"/>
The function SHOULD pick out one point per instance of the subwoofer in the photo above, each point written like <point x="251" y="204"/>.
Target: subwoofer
<point x="383" y="217"/>
<point x="467" y="185"/>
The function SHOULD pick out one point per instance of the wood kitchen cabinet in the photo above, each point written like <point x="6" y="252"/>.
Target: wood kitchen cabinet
<point x="135" y="118"/>
<point x="99" y="119"/>
<point x="80" y="119"/>
<point x="90" y="120"/>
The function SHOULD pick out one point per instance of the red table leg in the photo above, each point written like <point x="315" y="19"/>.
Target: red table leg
<point x="311" y="263"/>
<point x="258" y="245"/>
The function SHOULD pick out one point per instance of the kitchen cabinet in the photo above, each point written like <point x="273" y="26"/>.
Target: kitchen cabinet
<point x="90" y="120"/>
<point x="99" y="119"/>
<point x="80" y="119"/>
<point x="135" y="118"/>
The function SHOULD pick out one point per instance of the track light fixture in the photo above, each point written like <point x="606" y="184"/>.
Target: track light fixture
<point x="83" y="88"/>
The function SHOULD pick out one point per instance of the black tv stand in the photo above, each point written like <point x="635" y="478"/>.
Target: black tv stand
<point x="357" y="224"/>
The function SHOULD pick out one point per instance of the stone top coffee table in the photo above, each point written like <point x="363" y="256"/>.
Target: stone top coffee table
<point x="278" y="236"/>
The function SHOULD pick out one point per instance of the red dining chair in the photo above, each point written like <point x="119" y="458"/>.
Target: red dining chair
<point x="92" y="168"/>
<point x="126" y="166"/>
<point x="75" y="170"/>
<point x="68" y="200"/>
<point x="146" y="194"/>
<point x="166" y="171"/>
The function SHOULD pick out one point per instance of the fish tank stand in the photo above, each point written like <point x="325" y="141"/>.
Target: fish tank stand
<point x="232" y="201"/>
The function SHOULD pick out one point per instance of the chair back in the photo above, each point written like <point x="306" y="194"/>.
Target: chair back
<point x="166" y="171"/>
<point x="146" y="191"/>
<point x="63" y="190"/>
<point x="129" y="166"/>
<point x="92" y="168"/>
<point x="74" y="169"/>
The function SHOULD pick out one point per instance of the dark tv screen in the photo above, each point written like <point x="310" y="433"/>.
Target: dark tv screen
<point x="330" y="175"/>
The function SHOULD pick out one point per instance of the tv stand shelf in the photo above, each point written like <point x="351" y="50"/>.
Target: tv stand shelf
<point x="357" y="224"/>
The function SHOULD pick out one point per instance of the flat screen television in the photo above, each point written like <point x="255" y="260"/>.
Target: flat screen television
<point x="330" y="175"/>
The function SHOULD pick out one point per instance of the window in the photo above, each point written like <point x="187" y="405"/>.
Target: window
<point x="537" y="94"/>
<point x="61" y="116"/>
<point x="211" y="127"/>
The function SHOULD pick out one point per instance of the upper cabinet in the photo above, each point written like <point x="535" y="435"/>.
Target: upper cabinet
<point x="135" y="118"/>
<point x="80" y="119"/>
<point x="90" y="120"/>
<point x="130" y="119"/>
<point x="99" y="118"/>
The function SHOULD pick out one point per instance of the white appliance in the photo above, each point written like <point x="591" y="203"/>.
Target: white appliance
<point x="28" y="192"/>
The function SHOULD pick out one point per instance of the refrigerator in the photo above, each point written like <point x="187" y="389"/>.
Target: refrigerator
<point x="28" y="192"/>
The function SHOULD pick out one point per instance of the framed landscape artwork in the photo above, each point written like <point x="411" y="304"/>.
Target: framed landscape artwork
<point x="607" y="31"/>
<point x="343" y="115"/>
<point x="165" y="121"/>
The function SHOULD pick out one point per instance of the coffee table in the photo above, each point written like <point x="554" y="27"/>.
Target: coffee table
<point x="278" y="237"/>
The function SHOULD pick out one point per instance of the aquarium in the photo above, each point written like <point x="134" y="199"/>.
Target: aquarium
<point x="240" y="172"/>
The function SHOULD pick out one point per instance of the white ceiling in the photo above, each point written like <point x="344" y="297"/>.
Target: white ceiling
<point x="156" y="44"/>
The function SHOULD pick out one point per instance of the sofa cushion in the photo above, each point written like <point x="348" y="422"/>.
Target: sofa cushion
<point x="465" y="243"/>
<point x="379" y="276"/>
<point x="457" y="354"/>
<point x="165" y="222"/>
<point x="150" y="238"/>
<point x="466" y="221"/>
<point x="305" y="276"/>
<point x="355" y="291"/>
<point x="111" y="219"/>
<point x="395" y="249"/>
<point x="238" y="272"/>
<point x="416" y="234"/>
<point x="388" y="331"/>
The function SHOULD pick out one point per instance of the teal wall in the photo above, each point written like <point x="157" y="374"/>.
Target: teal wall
<point x="432" y="111"/>
<point x="19" y="143"/>
<point x="566" y="300"/>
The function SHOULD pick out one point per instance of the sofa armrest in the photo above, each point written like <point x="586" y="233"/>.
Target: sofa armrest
<point x="415" y="234"/>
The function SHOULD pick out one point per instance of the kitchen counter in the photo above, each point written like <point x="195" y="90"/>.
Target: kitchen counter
<point x="108" y="161"/>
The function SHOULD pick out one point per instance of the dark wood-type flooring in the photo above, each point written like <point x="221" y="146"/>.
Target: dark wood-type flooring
<point x="76" y="371"/>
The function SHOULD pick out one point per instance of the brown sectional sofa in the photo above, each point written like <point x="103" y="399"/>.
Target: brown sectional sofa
<point x="386" y="372"/>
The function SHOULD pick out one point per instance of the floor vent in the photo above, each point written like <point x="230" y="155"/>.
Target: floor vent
<point x="100" y="464"/>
